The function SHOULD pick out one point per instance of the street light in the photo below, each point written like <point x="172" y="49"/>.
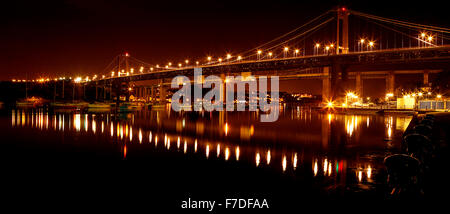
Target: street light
<point x="239" y="58"/>
<point x="316" y="48"/>
<point x="361" y="43"/>
<point x="259" y="54"/>
<point x="186" y="61"/>
<point x="430" y="40"/>
<point x="270" y="54"/>
<point x="421" y="39"/>
<point x="371" y="44"/>
<point x="228" y="57"/>
<point x="296" y="52"/>
<point x="286" y="49"/>
<point x="209" y="59"/>
<point x="220" y="60"/>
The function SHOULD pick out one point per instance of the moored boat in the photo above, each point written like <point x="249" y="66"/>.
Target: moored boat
<point x="99" y="105"/>
<point x="32" y="102"/>
<point x="68" y="105"/>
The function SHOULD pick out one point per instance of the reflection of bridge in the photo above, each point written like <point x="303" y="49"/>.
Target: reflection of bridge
<point x="290" y="57"/>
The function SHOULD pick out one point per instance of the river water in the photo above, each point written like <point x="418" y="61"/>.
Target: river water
<point x="306" y="152"/>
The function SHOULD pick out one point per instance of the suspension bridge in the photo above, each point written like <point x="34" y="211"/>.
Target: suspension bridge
<point x="337" y="46"/>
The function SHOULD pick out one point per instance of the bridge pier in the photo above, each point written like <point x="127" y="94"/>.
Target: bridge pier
<point x="390" y="82"/>
<point x="118" y="90"/>
<point x="162" y="92"/>
<point x="151" y="94"/>
<point x="222" y="89"/>
<point x="144" y="93"/>
<point x="96" y="91"/>
<point x="326" y="85"/>
<point x="359" y="84"/>
<point x="425" y="78"/>
<point x="62" y="92"/>
<point x="138" y="93"/>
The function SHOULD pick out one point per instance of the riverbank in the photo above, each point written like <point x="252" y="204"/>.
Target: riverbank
<point x="373" y="111"/>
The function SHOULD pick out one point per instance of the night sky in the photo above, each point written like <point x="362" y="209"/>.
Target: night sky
<point x="70" y="38"/>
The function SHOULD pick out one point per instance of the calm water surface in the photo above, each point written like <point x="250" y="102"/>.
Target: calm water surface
<point x="332" y="152"/>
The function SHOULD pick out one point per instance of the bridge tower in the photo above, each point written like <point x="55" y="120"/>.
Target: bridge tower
<point x="342" y="16"/>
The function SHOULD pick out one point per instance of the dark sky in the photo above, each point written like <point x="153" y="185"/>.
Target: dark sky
<point x="42" y="38"/>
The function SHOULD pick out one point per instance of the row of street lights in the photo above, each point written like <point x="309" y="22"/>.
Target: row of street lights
<point x="425" y="39"/>
<point x="362" y="43"/>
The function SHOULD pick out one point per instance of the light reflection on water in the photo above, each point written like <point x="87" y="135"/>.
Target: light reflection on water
<point x="301" y="139"/>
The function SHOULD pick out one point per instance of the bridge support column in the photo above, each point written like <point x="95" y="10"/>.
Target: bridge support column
<point x="144" y="93"/>
<point x="326" y="85"/>
<point x="127" y="95"/>
<point x="104" y="91"/>
<point x="118" y="89"/>
<point x="222" y="89"/>
<point x="425" y="78"/>
<point x="152" y="94"/>
<point x="359" y="84"/>
<point x="63" y="89"/>
<point x="390" y="82"/>
<point x="96" y="91"/>
<point x="139" y="93"/>
<point x="162" y="92"/>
